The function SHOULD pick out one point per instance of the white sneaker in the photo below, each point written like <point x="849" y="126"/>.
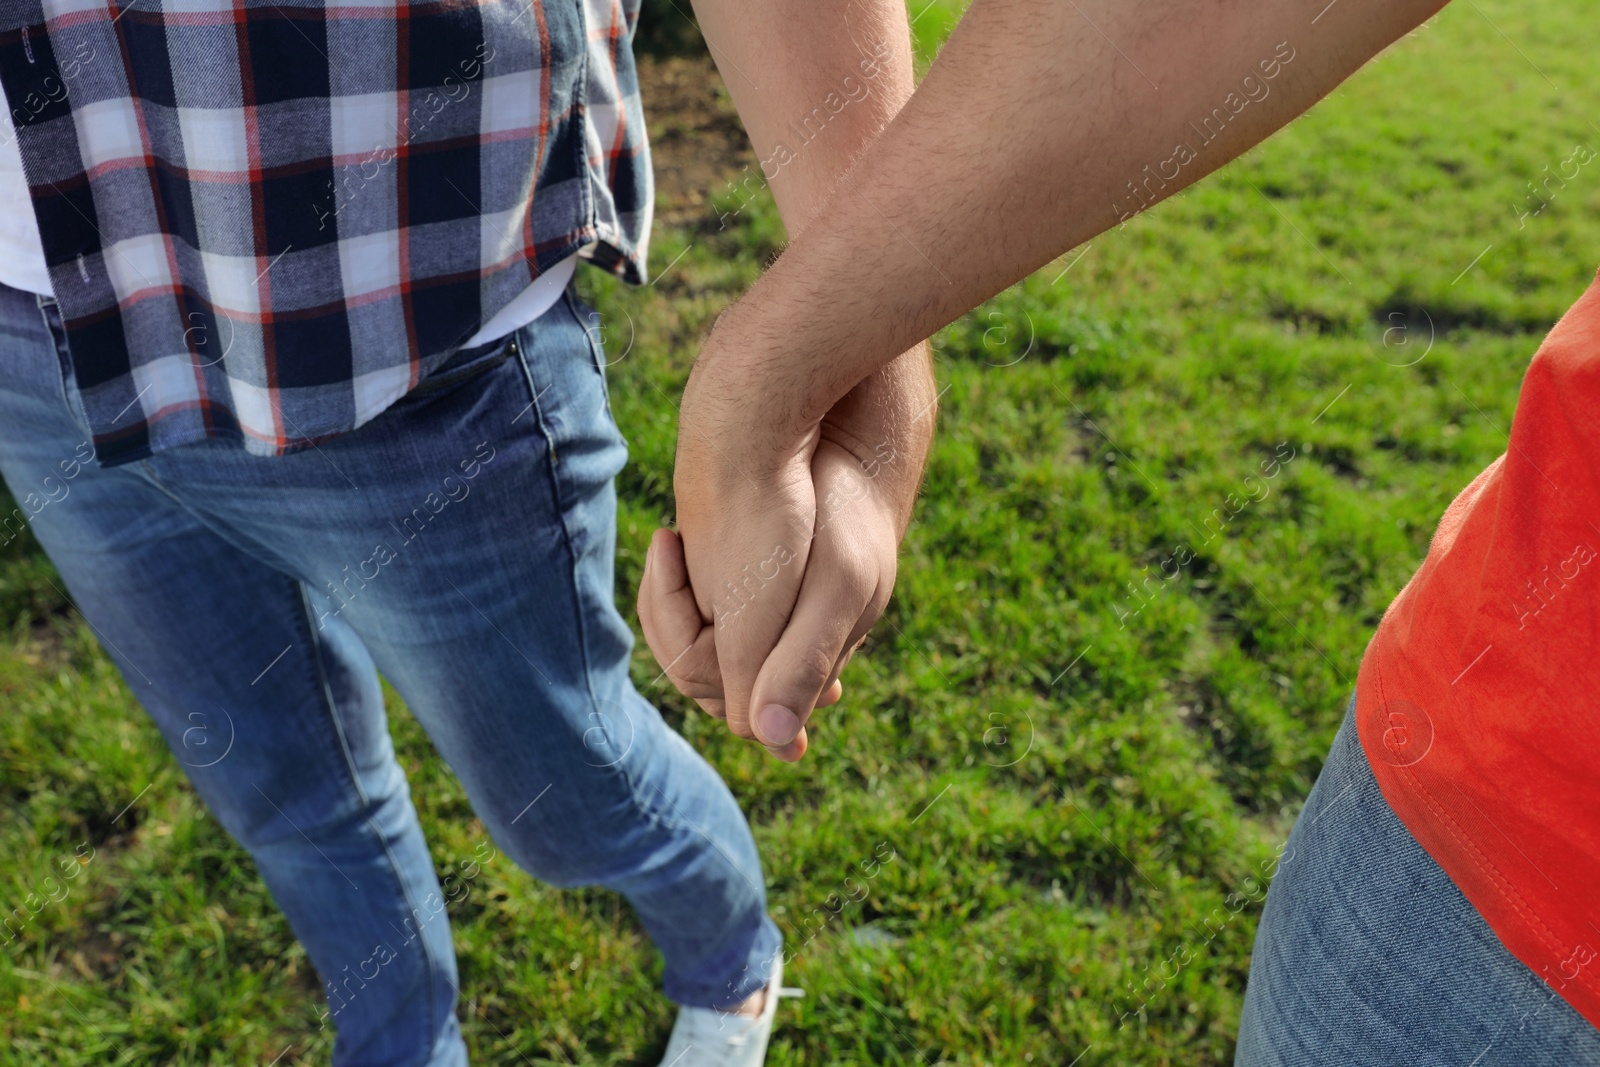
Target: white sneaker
<point x="705" y="1037"/>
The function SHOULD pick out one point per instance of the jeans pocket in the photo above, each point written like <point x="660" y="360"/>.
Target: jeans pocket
<point x="466" y="363"/>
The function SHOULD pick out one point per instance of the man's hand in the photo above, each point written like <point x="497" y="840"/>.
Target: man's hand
<point x="785" y="625"/>
<point x="790" y="543"/>
<point x="793" y="554"/>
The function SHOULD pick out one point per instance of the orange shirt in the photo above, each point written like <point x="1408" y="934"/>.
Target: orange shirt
<point x="1478" y="700"/>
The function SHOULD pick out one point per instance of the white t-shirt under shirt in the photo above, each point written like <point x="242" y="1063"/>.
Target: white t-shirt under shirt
<point x="22" y="253"/>
<point x="540" y="296"/>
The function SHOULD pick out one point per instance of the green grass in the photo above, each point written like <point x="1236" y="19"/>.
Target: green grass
<point x="1067" y="794"/>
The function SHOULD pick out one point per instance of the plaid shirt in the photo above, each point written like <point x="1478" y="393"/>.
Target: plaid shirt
<point x="269" y="220"/>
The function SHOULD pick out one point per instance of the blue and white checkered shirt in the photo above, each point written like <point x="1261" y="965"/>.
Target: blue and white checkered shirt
<point x="270" y="218"/>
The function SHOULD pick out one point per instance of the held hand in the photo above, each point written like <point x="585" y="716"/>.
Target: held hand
<point x="787" y="535"/>
<point x="793" y="576"/>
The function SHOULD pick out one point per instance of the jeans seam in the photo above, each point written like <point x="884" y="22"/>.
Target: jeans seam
<point x="525" y="357"/>
<point x="596" y="357"/>
<point x="63" y="362"/>
<point x="306" y="618"/>
<point x="150" y="475"/>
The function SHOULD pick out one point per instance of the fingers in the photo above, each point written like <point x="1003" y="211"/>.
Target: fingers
<point x="804" y="664"/>
<point x="792" y="577"/>
<point x="678" y="636"/>
<point x="847" y="580"/>
<point x="792" y="752"/>
<point x="757" y="578"/>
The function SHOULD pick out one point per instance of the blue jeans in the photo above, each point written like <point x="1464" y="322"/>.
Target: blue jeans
<point x="461" y="543"/>
<point x="1368" y="954"/>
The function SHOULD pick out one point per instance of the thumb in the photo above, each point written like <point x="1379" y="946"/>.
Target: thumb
<point x="802" y="665"/>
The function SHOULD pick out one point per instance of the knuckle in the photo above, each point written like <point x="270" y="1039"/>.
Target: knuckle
<point x="694" y="684"/>
<point x="814" y="663"/>
<point x="696" y="691"/>
<point x="693" y="675"/>
<point x="859" y="561"/>
<point x="858" y="575"/>
<point x="741" y="657"/>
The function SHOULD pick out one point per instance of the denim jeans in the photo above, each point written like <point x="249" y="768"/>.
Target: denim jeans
<point x="1368" y="954"/>
<point x="461" y="543"/>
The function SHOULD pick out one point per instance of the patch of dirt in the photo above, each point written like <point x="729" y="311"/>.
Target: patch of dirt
<point x="696" y="141"/>
<point x="38" y="651"/>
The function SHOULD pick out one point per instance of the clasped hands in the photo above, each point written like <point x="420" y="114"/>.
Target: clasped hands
<point x="787" y="535"/>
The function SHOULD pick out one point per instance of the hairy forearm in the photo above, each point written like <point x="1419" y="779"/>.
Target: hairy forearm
<point x="815" y="82"/>
<point x="1042" y="124"/>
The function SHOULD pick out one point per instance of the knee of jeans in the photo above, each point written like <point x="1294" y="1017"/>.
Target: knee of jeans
<point x="601" y="849"/>
<point x="605" y="826"/>
<point x="552" y="865"/>
<point x="279" y="813"/>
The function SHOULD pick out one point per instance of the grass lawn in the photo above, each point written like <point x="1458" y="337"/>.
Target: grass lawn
<point x="1070" y="760"/>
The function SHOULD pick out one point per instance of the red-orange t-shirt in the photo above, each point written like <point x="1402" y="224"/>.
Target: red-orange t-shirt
<point x="1478" y="700"/>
